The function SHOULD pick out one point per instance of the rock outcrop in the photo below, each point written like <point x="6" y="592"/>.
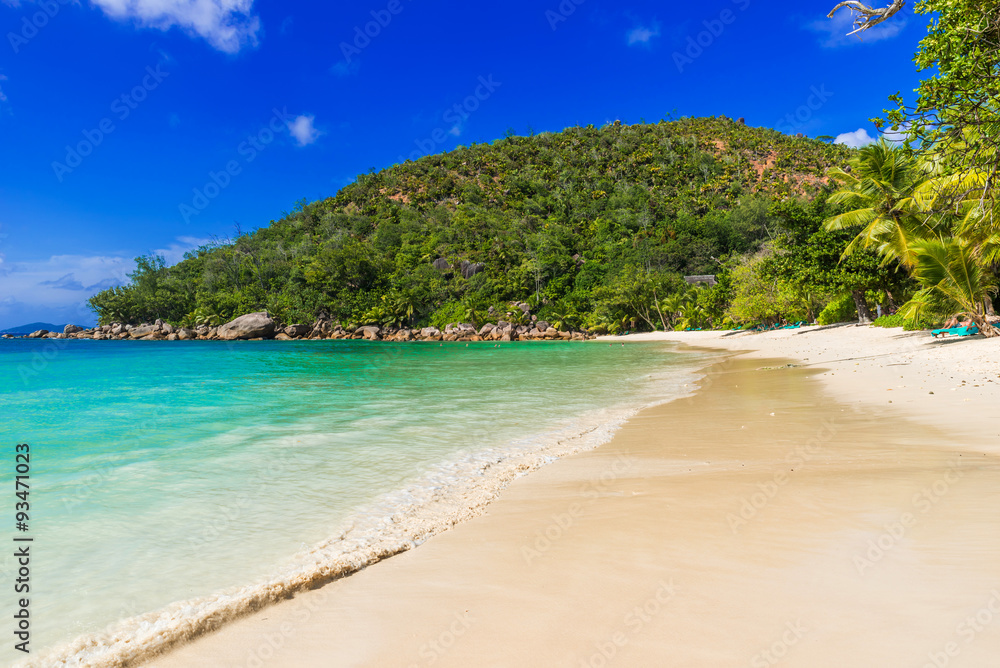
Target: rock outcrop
<point x="470" y="269"/>
<point x="297" y="331"/>
<point x="250" y="326"/>
<point x="257" y="326"/>
<point x="142" y="331"/>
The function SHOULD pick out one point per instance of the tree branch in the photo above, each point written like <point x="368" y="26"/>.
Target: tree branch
<point x="867" y="17"/>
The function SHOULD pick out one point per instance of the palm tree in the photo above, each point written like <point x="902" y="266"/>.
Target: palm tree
<point x="693" y="316"/>
<point x="672" y="306"/>
<point x="878" y="188"/>
<point x="963" y="201"/>
<point x="954" y="281"/>
<point x="204" y="316"/>
<point x="567" y="318"/>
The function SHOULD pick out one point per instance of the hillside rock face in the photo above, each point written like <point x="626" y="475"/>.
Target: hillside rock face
<point x="250" y="326"/>
<point x="470" y="269"/>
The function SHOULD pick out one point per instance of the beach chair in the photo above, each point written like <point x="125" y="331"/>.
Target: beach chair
<point x="955" y="331"/>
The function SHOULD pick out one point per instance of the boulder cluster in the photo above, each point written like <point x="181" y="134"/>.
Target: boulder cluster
<point x="258" y="326"/>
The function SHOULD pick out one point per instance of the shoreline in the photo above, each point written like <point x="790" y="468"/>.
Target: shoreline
<point x="658" y="519"/>
<point x="261" y="327"/>
<point x="451" y="491"/>
<point x="938" y="382"/>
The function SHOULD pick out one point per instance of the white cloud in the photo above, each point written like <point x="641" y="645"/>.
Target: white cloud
<point x="3" y="98"/>
<point x="856" y="139"/>
<point x="228" y="25"/>
<point x="303" y="130"/>
<point x="174" y="253"/>
<point x="643" y="34"/>
<point x="835" y="31"/>
<point x="56" y="289"/>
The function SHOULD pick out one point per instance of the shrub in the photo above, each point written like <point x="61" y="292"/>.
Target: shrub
<point x="917" y="324"/>
<point x="911" y="325"/>
<point x="890" y="321"/>
<point x="841" y="309"/>
<point x="450" y="312"/>
<point x="757" y="297"/>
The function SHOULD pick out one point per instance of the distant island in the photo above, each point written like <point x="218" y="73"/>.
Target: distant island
<point x="32" y="327"/>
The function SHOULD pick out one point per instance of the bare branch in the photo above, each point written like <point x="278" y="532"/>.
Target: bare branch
<point x="867" y="17"/>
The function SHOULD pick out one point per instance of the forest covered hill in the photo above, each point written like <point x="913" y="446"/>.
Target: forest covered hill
<point x="594" y="227"/>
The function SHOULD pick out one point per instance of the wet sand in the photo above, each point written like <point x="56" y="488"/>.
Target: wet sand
<point x="760" y="522"/>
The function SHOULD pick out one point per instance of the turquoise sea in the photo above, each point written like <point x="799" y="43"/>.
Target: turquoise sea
<point x="176" y="481"/>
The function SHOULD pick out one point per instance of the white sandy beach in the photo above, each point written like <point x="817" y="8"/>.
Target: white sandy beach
<point x="951" y="382"/>
<point x="840" y="512"/>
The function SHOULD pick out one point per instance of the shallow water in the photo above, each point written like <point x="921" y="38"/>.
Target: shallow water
<point x="170" y="471"/>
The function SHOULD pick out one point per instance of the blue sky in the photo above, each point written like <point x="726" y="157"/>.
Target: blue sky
<point x="131" y="126"/>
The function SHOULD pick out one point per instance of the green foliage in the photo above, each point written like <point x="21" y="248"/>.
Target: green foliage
<point x="451" y="312"/>
<point x="759" y="297"/>
<point x="899" y="320"/>
<point x="841" y="309"/>
<point x="955" y="282"/>
<point x="889" y="321"/>
<point x="594" y="226"/>
<point x="955" y="117"/>
<point x="917" y="324"/>
<point x="877" y="191"/>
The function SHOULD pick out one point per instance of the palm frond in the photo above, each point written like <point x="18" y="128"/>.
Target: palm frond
<point x="856" y="218"/>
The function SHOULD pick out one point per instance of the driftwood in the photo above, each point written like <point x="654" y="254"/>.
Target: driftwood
<point x="867" y="17"/>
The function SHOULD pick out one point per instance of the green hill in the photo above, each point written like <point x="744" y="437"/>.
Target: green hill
<point x="587" y="225"/>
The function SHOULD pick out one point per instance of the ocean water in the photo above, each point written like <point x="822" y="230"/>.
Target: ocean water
<point x="173" y="483"/>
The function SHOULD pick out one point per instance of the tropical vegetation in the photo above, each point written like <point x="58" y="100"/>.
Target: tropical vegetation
<point x="597" y="228"/>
